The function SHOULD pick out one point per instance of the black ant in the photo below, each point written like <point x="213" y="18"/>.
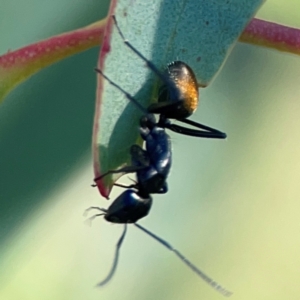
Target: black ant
<point x="177" y="99"/>
<point x="152" y="165"/>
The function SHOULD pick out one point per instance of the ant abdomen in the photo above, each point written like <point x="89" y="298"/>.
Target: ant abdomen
<point x="178" y="95"/>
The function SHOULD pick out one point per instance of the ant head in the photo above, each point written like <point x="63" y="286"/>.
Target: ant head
<point x="129" y="207"/>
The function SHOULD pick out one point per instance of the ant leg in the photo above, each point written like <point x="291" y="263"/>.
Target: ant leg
<point x="196" y="133"/>
<point x="138" y="53"/>
<point x="128" y="96"/>
<point x="139" y="159"/>
<point x="164" y="108"/>
<point x="127" y="169"/>
<point x="198" y="125"/>
<point x="125" y="186"/>
<point x="208" y="133"/>
<point x="135" y="185"/>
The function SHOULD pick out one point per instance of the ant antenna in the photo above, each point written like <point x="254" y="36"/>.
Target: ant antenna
<point x="118" y="246"/>
<point x="201" y="274"/>
<point x="116" y="258"/>
<point x="216" y="286"/>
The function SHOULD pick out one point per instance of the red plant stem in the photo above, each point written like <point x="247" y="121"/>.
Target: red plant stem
<point x="272" y="35"/>
<point x="18" y="65"/>
<point x="58" y="46"/>
<point x="39" y="55"/>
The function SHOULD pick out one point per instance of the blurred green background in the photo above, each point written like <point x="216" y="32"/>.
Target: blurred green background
<point x="233" y="207"/>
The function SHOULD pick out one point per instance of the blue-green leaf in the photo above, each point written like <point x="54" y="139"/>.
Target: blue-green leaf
<point x="199" y="32"/>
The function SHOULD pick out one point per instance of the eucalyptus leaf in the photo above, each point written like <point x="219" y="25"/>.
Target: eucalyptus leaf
<point x="200" y="33"/>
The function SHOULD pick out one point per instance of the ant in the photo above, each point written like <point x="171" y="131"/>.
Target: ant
<point x="177" y="99"/>
<point x="152" y="165"/>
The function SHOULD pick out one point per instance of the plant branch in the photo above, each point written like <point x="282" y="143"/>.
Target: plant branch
<point x="272" y="35"/>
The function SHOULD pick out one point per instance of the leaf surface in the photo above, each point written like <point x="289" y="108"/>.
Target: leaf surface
<point x="201" y="33"/>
